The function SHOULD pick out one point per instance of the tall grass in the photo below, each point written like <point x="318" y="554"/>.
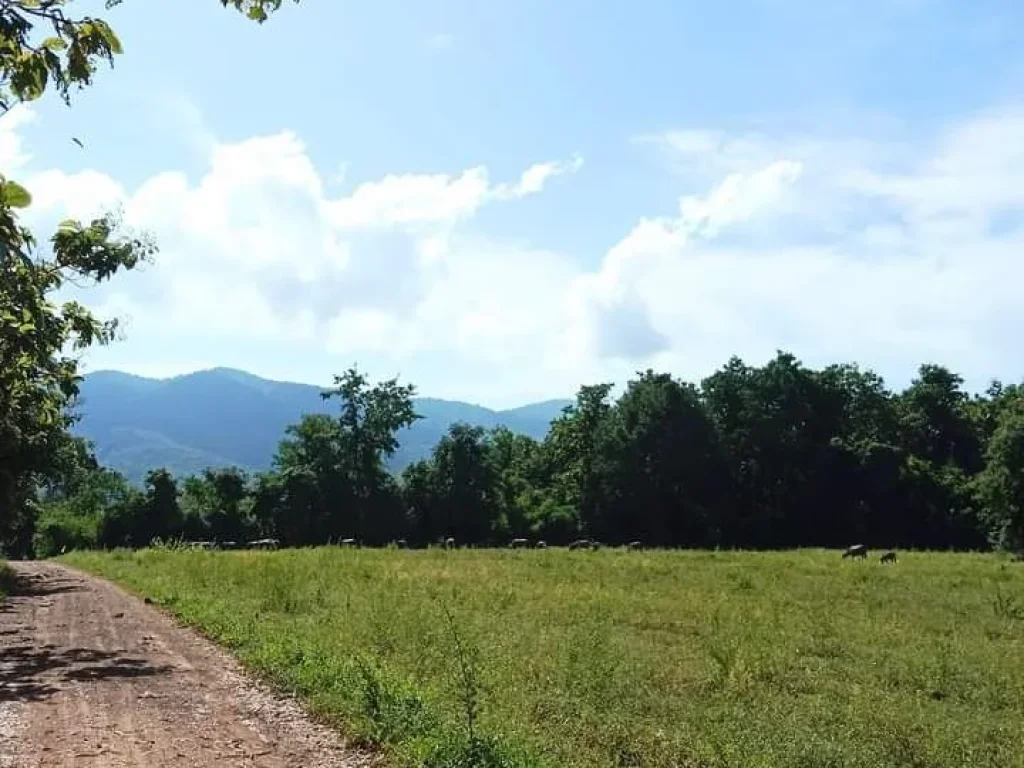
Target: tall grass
<point x="490" y="658"/>
<point x="7" y="580"/>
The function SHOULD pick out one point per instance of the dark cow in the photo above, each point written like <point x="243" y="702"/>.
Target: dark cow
<point x="857" y="550"/>
<point x="519" y="543"/>
<point x="449" y="543"/>
<point x="347" y="543"/>
<point x="888" y="557"/>
<point x="542" y="544"/>
<point x="580" y="544"/>
<point x="634" y="545"/>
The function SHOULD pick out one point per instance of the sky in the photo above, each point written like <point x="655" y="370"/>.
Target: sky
<point x="502" y="201"/>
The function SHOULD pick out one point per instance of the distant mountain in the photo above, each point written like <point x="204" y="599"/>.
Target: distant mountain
<point x="224" y="417"/>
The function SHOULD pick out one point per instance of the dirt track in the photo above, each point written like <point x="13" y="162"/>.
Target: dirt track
<point x="90" y="676"/>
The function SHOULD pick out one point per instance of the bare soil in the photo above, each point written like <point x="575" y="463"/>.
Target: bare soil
<point x="90" y="676"/>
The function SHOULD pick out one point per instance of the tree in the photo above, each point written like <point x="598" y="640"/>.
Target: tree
<point x="662" y="467"/>
<point x="515" y="461"/>
<point x="465" y="485"/>
<point x="1001" y="484"/>
<point x="43" y="46"/>
<point x="333" y="483"/>
<point x="936" y="420"/>
<point x="419" y="494"/>
<point x="73" y="514"/>
<point x="367" y="429"/>
<point x="571" y="450"/>
<point x="217" y="505"/>
<point x="777" y="423"/>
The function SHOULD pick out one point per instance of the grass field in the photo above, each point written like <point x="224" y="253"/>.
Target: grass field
<point x="6" y="580"/>
<point x="795" y="660"/>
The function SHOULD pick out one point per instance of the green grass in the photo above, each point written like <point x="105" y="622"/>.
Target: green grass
<point x="6" y="580"/>
<point x="795" y="660"/>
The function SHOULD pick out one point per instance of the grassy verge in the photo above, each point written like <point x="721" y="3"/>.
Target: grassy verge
<point x="608" y="659"/>
<point x="6" y="580"/>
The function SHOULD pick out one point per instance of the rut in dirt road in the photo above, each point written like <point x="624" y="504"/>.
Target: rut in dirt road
<point x="90" y="676"/>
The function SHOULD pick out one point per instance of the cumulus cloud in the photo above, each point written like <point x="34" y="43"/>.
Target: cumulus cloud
<point x="836" y="248"/>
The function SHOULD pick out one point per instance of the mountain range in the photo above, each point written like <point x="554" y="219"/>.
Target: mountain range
<point x="226" y="417"/>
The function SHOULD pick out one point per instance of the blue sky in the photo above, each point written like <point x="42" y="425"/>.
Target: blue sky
<point x="502" y="201"/>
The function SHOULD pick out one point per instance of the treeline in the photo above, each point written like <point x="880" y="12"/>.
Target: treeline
<point x="755" y="457"/>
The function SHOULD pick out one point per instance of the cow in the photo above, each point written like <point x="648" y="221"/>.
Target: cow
<point x="348" y="542"/>
<point x="634" y="545"/>
<point x="519" y="543"/>
<point x="888" y="557"/>
<point x="542" y="544"/>
<point x="580" y="544"/>
<point x="449" y="543"/>
<point x="264" y="544"/>
<point x="857" y="550"/>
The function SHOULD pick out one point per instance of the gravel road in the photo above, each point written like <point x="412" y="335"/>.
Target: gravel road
<point x="90" y="676"/>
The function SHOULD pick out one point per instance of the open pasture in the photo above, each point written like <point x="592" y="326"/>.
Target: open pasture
<point x="617" y="658"/>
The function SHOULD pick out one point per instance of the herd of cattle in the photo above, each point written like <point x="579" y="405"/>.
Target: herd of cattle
<point x="861" y="551"/>
<point x="856" y="551"/>
<point x="448" y="543"/>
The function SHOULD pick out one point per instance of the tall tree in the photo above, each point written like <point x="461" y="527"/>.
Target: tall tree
<point x="571" y="450"/>
<point x="1001" y="483"/>
<point x="465" y="485"/>
<point x="663" y="470"/>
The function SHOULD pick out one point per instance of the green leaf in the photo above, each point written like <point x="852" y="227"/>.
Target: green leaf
<point x="54" y="44"/>
<point x="14" y="195"/>
<point x="109" y="37"/>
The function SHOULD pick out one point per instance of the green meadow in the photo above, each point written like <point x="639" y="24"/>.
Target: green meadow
<point x="614" y="658"/>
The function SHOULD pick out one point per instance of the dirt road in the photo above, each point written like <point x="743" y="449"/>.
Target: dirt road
<point x="90" y="676"/>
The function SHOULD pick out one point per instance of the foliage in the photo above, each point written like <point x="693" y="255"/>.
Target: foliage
<point x="619" y="658"/>
<point x="331" y="481"/>
<point x="1001" y="484"/>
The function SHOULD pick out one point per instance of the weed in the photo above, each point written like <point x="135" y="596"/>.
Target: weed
<point x="1006" y="606"/>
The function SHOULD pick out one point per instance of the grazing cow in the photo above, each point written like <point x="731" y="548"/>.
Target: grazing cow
<point x="348" y="542"/>
<point x="595" y="545"/>
<point x="888" y="557"/>
<point x="542" y="544"/>
<point x="857" y="550"/>
<point x="634" y="545"/>
<point x="402" y="544"/>
<point x="580" y="544"/>
<point x="519" y="543"/>
<point x="264" y="544"/>
<point x="449" y="543"/>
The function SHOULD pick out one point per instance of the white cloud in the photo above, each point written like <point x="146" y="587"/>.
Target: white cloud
<point x="12" y="154"/>
<point x="536" y="177"/>
<point x="883" y="253"/>
<point x="412" y="199"/>
<point x="836" y="248"/>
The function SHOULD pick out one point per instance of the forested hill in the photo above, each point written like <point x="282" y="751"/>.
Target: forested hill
<point x="225" y="417"/>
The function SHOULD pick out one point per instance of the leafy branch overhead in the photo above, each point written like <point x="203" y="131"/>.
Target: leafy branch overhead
<point x="43" y="45"/>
